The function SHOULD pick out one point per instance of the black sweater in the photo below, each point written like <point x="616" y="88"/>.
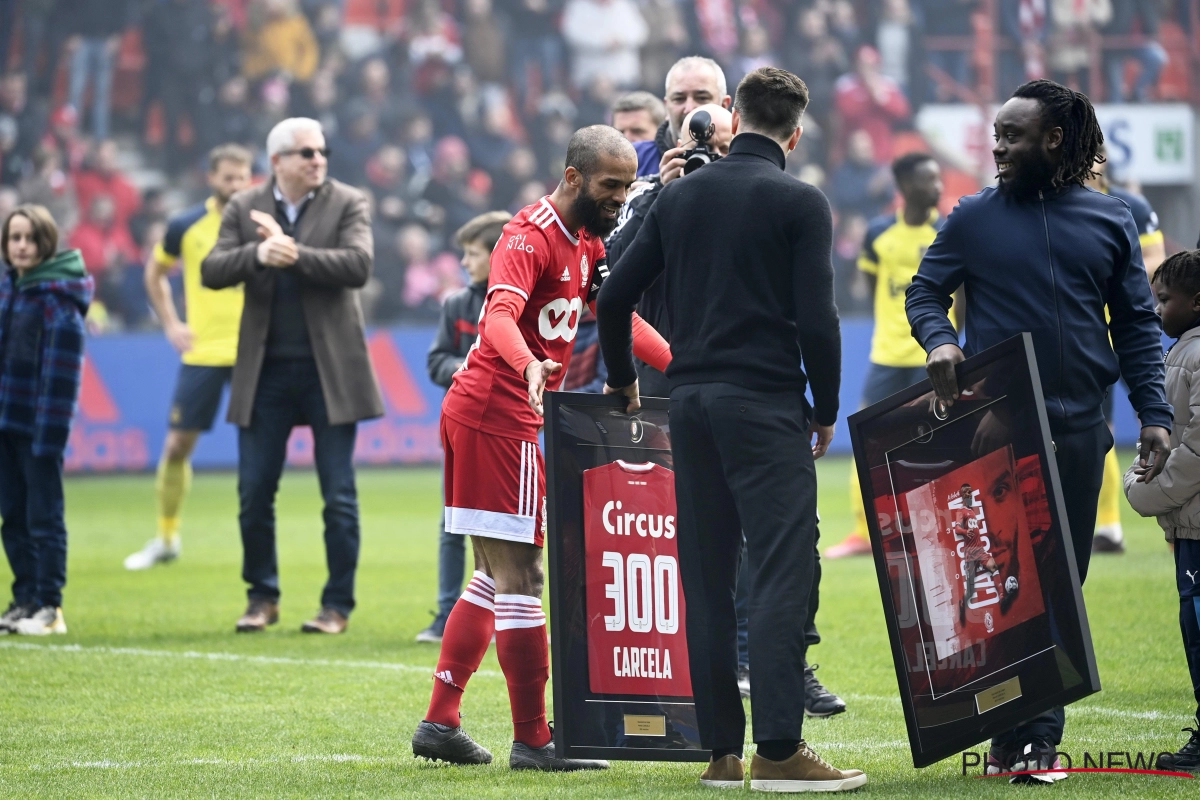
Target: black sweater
<point x="745" y="252"/>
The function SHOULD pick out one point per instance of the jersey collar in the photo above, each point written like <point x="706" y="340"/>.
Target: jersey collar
<point x="545" y="202"/>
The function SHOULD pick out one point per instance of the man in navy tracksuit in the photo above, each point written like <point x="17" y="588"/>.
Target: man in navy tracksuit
<point x="1042" y="253"/>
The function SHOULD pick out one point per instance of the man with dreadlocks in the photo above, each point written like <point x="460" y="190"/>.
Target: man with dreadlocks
<point x="1043" y="253"/>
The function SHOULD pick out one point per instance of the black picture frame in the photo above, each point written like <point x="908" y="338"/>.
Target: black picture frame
<point x="586" y="724"/>
<point x="967" y="673"/>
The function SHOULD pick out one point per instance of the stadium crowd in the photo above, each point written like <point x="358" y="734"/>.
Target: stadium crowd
<point x="442" y="109"/>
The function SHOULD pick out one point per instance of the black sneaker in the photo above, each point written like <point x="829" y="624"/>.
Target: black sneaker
<point x="744" y="680"/>
<point x="1188" y="757"/>
<point x="1040" y="760"/>
<point x="542" y="758"/>
<point x="15" y="613"/>
<point x="440" y="743"/>
<point x="435" y="631"/>
<point x="819" y="701"/>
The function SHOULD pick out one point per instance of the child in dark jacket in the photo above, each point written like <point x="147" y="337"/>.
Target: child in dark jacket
<point x="43" y="299"/>
<point x="456" y="334"/>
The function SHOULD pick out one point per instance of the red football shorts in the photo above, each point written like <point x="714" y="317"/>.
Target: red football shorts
<point x="495" y="487"/>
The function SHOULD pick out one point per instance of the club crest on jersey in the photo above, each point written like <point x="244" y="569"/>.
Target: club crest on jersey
<point x="583" y="271"/>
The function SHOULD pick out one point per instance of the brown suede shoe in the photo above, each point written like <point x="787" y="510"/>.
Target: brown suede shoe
<point x="727" y="772"/>
<point x="328" y="621"/>
<point x="804" y="772"/>
<point x="259" y="614"/>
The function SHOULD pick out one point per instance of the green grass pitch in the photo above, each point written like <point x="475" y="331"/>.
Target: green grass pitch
<point x="151" y="694"/>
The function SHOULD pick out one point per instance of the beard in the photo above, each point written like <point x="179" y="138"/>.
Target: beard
<point x="1037" y="173"/>
<point x="585" y="209"/>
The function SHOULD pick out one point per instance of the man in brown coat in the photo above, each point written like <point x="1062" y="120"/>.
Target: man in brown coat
<point x="301" y="245"/>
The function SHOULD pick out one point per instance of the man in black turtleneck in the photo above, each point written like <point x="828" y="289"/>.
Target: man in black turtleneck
<point x="744" y="252"/>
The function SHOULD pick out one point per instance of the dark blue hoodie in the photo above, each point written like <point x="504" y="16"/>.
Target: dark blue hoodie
<point x="1050" y="266"/>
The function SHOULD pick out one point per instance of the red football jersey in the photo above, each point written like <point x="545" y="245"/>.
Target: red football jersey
<point x="557" y="274"/>
<point x="637" y="623"/>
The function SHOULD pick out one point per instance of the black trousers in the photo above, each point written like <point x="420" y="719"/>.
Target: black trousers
<point x="742" y="604"/>
<point x="743" y="464"/>
<point x="1080" y="457"/>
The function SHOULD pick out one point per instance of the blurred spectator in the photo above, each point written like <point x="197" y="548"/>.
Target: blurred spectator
<point x="896" y="38"/>
<point x="604" y="36"/>
<point x="29" y="116"/>
<point x="279" y="40"/>
<point x="38" y="61"/>
<point x="448" y="188"/>
<point x="417" y="139"/>
<point x="51" y="186"/>
<point x="1150" y="54"/>
<point x="375" y="85"/>
<point x="519" y="168"/>
<point x="1023" y="21"/>
<point x="850" y="289"/>
<point x="529" y="194"/>
<point x="101" y="178"/>
<point x="756" y="52"/>
<point x="484" y="41"/>
<point x="433" y="35"/>
<point x="637" y="116"/>
<point x="152" y="212"/>
<point x="667" y="37"/>
<point x="843" y="24"/>
<point x="177" y="38"/>
<point x="94" y="37"/>
<point x="595" y="105"/>
<point x="491" y="144"/>
<point x="949" y="18"/>
<point x="1073" y="24"/>
<point x="428" y="279"/>
<point x="65" y="137"/>
<point x="230" y="119"/>
<point x="861" y="185"/>
<point x="537" y="50"/>
<point x="103" y="241"/>
<point x="716" y="23"/>
<point x="11" y="165"/>
<point x="821" y="60"/>
<point x="9" y="199"/>
<point x="868" y="99"/>
<point x="356" y="142"/>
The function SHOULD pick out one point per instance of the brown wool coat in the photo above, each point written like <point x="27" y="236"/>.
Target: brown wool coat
<point x="336" y="253"/>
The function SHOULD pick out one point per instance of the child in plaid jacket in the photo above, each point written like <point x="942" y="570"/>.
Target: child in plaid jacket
<point x="43" y="299"/>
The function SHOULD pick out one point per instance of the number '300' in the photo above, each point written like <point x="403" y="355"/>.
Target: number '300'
<point x="643" y="595"/>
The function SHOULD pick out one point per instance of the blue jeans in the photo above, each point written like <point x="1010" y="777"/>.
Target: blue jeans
<point x="92" y="58"/>
<point x="289" y="394"/>
<point x="33" y="530"/>
<point x="1153" y="58"/>
<point x="452" y="564"/>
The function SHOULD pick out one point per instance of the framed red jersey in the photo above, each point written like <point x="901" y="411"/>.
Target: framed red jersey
<point x="622" y="677"/>
<point x="973" y="554"/>
<point x="636" y="615"/>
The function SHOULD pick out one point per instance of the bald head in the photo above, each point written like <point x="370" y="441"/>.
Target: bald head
<point x="590" y="147"/>
<point x="722" y="121"/>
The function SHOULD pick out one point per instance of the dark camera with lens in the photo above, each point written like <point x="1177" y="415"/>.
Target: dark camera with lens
<point x="702" y="129"/>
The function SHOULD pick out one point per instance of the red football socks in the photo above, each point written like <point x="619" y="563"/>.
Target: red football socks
<point x="464" y="643"/>
<point x="524" y="657"/>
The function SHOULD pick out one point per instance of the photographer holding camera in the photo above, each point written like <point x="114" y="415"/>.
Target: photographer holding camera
<point x="744" y="252"/>
<point x="707" y="132"/>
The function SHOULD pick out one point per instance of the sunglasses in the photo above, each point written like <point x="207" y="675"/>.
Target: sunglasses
<point x="307" y="153"/>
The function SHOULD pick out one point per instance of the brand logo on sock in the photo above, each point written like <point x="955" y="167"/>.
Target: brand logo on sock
<point x="445" y="677"/>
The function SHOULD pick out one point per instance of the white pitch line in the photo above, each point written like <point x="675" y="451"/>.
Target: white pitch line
<point x="101" y="650"/>
<point x="339" y="758"/>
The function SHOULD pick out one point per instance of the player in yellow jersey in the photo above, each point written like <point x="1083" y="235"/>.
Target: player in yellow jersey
<point x="1110" y="538"/>
<point x="891" y="253"/>
<point x="207" y="342"/>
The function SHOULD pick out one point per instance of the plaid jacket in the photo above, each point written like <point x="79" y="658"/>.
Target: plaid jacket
<point x="41" y="349"/>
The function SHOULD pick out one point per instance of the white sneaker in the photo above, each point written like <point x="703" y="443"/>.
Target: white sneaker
<point x="45" y="621"/>
<point x="156" y="551"/>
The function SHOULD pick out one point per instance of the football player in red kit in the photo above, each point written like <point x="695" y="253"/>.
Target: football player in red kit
<point x="966" y="525"/>
<point x="547" y="266"/>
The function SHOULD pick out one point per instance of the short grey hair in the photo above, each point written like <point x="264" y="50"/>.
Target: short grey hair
<point x="283" y="136"/>
<point x="688" y="63"/>
<point x="641" y="101"/>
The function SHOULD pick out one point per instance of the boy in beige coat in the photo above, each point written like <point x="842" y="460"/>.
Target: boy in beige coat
<point x="1173" y="496"/>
